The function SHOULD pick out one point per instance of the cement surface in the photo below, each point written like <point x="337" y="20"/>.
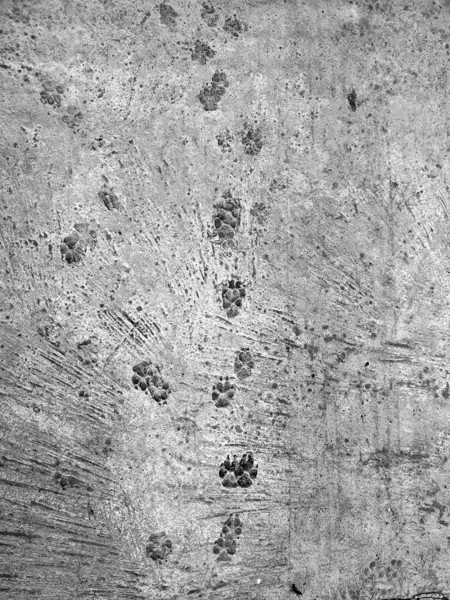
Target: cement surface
<point x="152" y="153"/>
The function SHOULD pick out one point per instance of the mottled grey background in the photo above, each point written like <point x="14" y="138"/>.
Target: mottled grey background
<point x="327" y="123"/>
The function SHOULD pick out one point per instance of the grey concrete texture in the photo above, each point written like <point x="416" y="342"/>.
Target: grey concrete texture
<point x="224" y="232"/>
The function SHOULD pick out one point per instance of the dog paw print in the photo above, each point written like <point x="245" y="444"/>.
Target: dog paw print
<point x="243" y="363"/>
<point x="109" y="199"/>
<point x="225" y="545"/>
<point x="168" y="15"/>
<point x="252" y="139"/>
<point x="238" y="472"/>
<point x="223" y="392"/>
<point x="211" y="93"/>
<point x="158" y="546"/>
<point x="202" y="52"/>
<point x="208" y="14"/>
<point x="88" y="352"/>
<point x="73" y="118"/>
<point x="233" y="293"/>
<point x="66" y="481"/>
<point x="51" y="93"/>
<point x="147" y="377"/>
<point x="227" y="216"/>
<point x="234" y="27"/>
<point x="74" y="246"/>
<point x="224" y="140"/>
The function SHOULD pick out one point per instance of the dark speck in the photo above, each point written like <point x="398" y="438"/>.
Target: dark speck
<point x="352" y="100"/>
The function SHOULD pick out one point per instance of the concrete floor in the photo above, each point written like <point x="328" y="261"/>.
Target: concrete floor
<point x="151" y="154"/>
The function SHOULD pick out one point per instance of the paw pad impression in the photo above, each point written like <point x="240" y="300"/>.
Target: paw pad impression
<point x="147" y="377"/>
<point x="238" y="472"/>
<point x="223" y="392"/>
<point x="225" y="545"/>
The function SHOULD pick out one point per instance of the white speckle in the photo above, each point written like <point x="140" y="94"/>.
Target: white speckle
<point x="258" y="581"/>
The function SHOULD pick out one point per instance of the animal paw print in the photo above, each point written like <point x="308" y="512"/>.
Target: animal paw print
<point x="74" y="246"/>
<point x="147" y="377"/>
<point x="225" y="545"/>
<point x="252" y="139"/>
<point x="158" y="546"/>
<point x="109" y="198"/>
<point x="227" y="216"/>
<point x="73" y="118"/>
<point x="88" y="352"/>
<point x="234" y="26"/>
<point x="224" y="140"/>
<point x="243" y="363"/>
<point x="66" y="481"/>
<point x="212" y="93"/>
<point x="233" y="294"/>
<point x="223" y="392"/>
<point x="51" y="94"/>
<point x="168" y="15"/>
<point x="238" y="472"/>
<point x="208" y="14"/>
<point x="202" y="52"/>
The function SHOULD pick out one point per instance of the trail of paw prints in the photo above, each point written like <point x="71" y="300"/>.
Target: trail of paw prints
<point x="227" y="216"/>
<point x="243" y="363"/>
<point x="211" y="93"/>
<point x="223" y="392"/>
<point x="74" y="246"/>
<point x="147" y="377"/>
<point x="238" y="472"/>
<point x="109" y="198"/>
<point x="233" y="293"/>
<point x="225" y="545"/>
<point x="158" y="546"/>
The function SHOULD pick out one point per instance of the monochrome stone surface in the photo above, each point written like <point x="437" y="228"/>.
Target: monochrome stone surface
<point x="225" y="299"/>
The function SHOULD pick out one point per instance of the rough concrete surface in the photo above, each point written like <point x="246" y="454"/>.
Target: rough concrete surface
<point x="224" y="299"/>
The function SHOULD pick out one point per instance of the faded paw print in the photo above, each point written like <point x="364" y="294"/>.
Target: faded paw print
<point x="243" y="363"/>
<point x="233" y="293"/>
<point x="88" y="352"/>
<point x="224" y="140"/>
<point x="74" y="246"/>
<point x="225" y="545"/>
<point x="208" y="14"/>
<point x="238" y="472"/>
<point x="234" y="26"/>
<point x="73" y="118"/>
<point x="211" y="93"/>
<point x="158" y="546"/>
<point x="223" y="392"/>
<point x="202" y="52"/>
<point x="252" y="139"/>
<point x="147" y="377"/>
<point x="167" y="15"/>
<point x="227" y="216"/>
<point x="51" y="94"/>
<point x="109" y="199"/>
<point x="66" y="481"/>
<point x="378" y="576"/>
